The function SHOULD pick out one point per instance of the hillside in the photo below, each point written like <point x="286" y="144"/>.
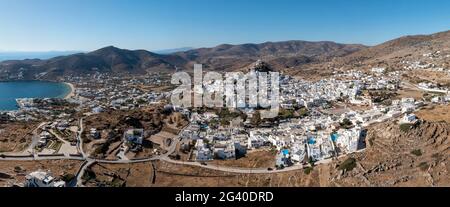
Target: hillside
<point x="394" y="157"/>
<point x="394" y="55"/>
<point x="282" y="54"/>
<point x="391" y="53"/>
<point x="105" y="60"/>
<point x="223" y="57"/>
<point x="299" y="58"/>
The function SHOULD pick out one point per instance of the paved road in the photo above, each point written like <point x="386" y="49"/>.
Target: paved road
<point x="233" y="169"/>
<point x="35" y="138"/>
<point x="162" y="158"/>
<point x="35" y="158"/>
<point x="79" y="139"/>
<point x="81" y="171"/>
<point x="417" y="87"/>
<point x="165" y="157"/>
<point x="171" y="149"/>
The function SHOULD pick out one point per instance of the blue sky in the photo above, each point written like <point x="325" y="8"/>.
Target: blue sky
<point x="43" y="25"/>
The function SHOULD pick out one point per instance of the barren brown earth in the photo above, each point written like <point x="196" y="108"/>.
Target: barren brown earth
<point x="14" y="172"/>
<point x="160" y="174"/>
<point x="15" y="137"/>
<point x="394" y="157"/>
<point x="256" y="159"/>
<point x="410" y="157"/>
<point x="413" y="156"/>
<point x="435" y="113"/>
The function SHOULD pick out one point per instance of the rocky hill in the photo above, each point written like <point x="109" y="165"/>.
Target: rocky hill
<point x="307" y="59"/>
<point x="391" y="53"/>
<point x="431" y="49"/>
<point x="282" y="54"/>
<point x="224" y="57"/>
<point x="105" y="60"/>
<point x="417" y="156"/>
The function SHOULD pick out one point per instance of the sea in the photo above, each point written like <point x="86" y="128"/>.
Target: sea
<point x="11" y="90"/>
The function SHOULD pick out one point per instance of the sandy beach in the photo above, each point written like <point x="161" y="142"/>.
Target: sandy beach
<point x="72" y="91"/>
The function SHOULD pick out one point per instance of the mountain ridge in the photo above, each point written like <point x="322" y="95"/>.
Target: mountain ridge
<point x="296" y="55"/>
<point x="111" y="59"/>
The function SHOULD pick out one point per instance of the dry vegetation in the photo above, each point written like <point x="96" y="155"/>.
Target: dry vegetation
<point x="118" y="175"/>
<point x="113" y="124"/>
<point x="18" y="170"/>
<point x="253" y="159"/>
<point x="407" y="93"/>
<point x="430" y="76"/>
<point x="15" y="137"/>
<point x="417" y="157"/>
<point x="177" y="175"/>
<point x="435" y="113"/>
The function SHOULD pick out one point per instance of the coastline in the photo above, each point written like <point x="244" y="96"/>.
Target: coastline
<point x="71" y="94"/>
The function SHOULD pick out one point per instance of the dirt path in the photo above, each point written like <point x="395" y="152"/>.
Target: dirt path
<point x="324" y="175"/>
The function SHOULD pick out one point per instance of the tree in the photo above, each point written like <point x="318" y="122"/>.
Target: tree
<point x="256" y="118"/>
<point x="348" y="164"/>
<point x="308" y="170"/>
<point x="311" y="161"/>
<point x="346" y="123"/>
<point x="286" y="113"/>
<point x="405" y="127"/>
<point x="68" y="177"/>
<point x="303" y="112"/>
<point x="417" y="152"/>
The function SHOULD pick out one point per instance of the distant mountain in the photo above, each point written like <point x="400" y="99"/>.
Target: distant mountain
<point x="273" y="49"/>
<point x="223" y="57"/>
<point x="232" y="57"/>
<point x="174" y="50"/>
<point x="106" y="60"/>
<point x="5" y="55"/>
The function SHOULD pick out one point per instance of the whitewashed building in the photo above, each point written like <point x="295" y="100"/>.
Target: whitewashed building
<point x="42" y="179"/>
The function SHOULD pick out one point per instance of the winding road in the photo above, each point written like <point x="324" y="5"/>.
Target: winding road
<point x="88" y="161"/>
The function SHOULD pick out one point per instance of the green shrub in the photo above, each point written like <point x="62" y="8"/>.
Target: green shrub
<point x="286" y="114"/>
<point x="417" y="152"/>
<point x="303" y="112"/>
<point x="437" y="156"/>
<point x="424" y="166"/>
<point x="68" y="177"/>
<point x="88" y="175"/>
<point x="348" y="164"/>
<point x="371" y="141"/>
<point x="311" y="161"/>
<point x="405" y="127"/>
<point x="308" y="170"/>
<point x="346" y="123"/>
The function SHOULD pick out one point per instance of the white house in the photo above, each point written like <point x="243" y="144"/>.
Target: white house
<point x="378" y="70"/>
<point x="94" y="133"/>
<point x="97" y="110"/>
<point x="408" y="108"/>
<point x="134" y="136"/>
<point x="202" y="153"/>
<point x="42" y="179"/>
<point x="409" y="118"/>
<point x="347" y="140"/>
<point x="226" y="152"/>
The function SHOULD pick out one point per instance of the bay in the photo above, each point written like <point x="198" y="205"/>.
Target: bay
<point x="11" y="90"/>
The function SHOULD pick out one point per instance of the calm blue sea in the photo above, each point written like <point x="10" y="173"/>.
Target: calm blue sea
<point x="9" y="91"/>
